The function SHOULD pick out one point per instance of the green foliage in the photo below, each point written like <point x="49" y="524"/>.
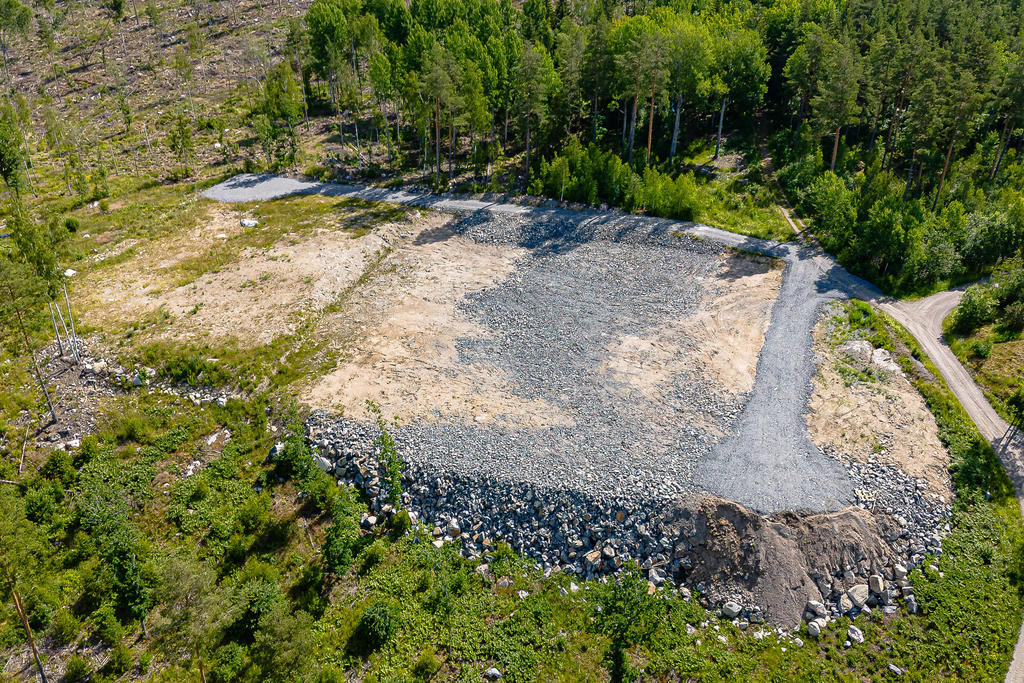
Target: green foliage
<point x="77" y="669"/>
<point x="426" y="665"/>
<point x="388" y="449"/>
<point x="628" y="616"/>
<point x="108" y="627"/>
<point x="65" y="627"/>
<point x="121" y="659"/>
<point x="402" y="523"/>
<point x="377" y="625"/>
<point x="976" y="308"/>
<point x="338" y="550"/>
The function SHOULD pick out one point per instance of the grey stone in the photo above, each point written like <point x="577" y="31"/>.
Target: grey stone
<point x="858" y="353"/>
<point x="492" y="674"/>
<point x="858" y="594"/>
<point x="845" y="604"/>
<point x="816" y="626"/>
<point x="895" y="670"/>
<point x="855" y="634"/>
<point x="731" y="609"/>
<point x="875" y="583"/>
<point x="137" y="381"/>
<point x="816" y="608"/>
<point x="899" y="571"/>
<point x="249" y="223"/>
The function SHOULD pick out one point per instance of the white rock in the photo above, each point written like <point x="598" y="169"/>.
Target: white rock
<point x="731" y="610"/>
<point x="875" y="583"/>
<point x="858" y="353"/>
<point x="855" y="634"/>
<point x="492" y="674"/>
<point x="249" y="223"/>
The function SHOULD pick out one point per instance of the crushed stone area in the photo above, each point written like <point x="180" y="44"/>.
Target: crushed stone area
<point x="558" y="351"/>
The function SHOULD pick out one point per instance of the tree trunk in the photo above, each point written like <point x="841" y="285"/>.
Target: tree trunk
<point x="28" y="348"/>
<point x="359" y="155"/>
<point x="20" y="608"/>
<point x="721" y="118"/>
<point x="451" y="146"/>
<point x="64" y="326"/>
<point x="595" y="119"/>
<point x="650" y="123"/>
<point x="74" y="335"/>
<point x="527" y="176"/>
<point x="835" y="150"/>
<point x="625" y="120"/>
<point x="56" y="332"/>
<point x="632" y="129"/>
<point x="1002" y="149"/>
<point x="945" y="165"/>
<point x="675" y="128"/>
<point x="437" y="141"/>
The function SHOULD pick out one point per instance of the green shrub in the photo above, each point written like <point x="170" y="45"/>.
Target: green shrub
<point x="64" y="627"/>
<point x="58" y="466"/>
<point x="108" y="628"/>
<point x="402" y="523"/>
<point x="330" y="674"/>
<point x="374" y="555"/>
<point x="339" y="547"/>
<point x="77" y="669"/>
<point x="145" y="659"/>
<point x="254" y="515"/>
<point x="41" y="502"/>
<point x="121" y="659"/>
<point x="376" y="626"/>
<point x="72" y="224"/>
<point x="1013" y="316"/>
<point x="975" y="309"/>
<point x="86" y="452"/>
<point x="256" y="598"/>
<point x="426" y="666"/>
<point x="228" y="661"/>
<point x="981" y="348"/>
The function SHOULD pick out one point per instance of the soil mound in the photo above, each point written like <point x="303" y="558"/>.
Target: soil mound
<point x="780" y="562"/>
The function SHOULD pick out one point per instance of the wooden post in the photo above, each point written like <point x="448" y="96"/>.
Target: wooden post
<point x="28" y="629"/>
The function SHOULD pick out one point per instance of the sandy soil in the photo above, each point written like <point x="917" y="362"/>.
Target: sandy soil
<point x="885" y="418"/>
<point x="730" y="331"/>
<point x="258" y="296"/>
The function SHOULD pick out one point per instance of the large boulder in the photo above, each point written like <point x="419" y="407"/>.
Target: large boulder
<point x="858" y="594"/>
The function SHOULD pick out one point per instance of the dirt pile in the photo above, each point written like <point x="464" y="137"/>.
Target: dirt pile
<point x="776" y="563"/>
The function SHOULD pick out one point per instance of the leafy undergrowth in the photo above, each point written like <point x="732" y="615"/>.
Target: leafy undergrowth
<point x="256" y="568"/>
<point x="994" y="358"/>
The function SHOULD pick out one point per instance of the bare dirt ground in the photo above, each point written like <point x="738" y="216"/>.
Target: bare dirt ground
<point x="886" y="419"/>
<point x="257" y="295"/>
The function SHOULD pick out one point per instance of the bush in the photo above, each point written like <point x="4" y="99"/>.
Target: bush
<point x="72" y="224"/>
<point x="376" y="626"/>
<point x="374" y="555"/>
<point x="975" y="309"/>
<point x="228" y="661"/>
<point x="41" y="502"/>
<point x="65" y="627"/>
<point x="402" y="523"/>
<point x="58" y="466"/>
<point x="1013" y="316"/>
<point x="108" y="628"/>
<point x="121" y="659"/>
<point x="339" y="547"/>
<point x="426" y="666"/>
<point x="77" y="669"/>
<point x="253" y="514"/>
